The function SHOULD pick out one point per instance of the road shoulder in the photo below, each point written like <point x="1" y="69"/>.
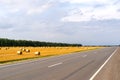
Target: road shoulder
<point x="111" y="70"/>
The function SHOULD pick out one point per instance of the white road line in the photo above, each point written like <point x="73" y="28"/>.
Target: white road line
<point x="103" y="65"/>
<point x="84" y="56"/>
<point x="27" y="62"/>
<point x="22" y="63"/>
<point x="55" y="64"/>
<point x="95" y="52"/>
<point x="32" y="61"/>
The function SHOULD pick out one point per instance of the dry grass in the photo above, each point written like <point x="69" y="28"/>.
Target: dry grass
<point x="10" y="54"/>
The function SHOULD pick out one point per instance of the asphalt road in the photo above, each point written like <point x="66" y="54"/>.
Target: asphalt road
<point x="111" y="71"/>
<point x="77" y="66"/>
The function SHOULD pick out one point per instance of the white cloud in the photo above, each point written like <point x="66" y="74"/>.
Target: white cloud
<point x="108" y="11"/>
<point x="79" y="14"/>
<point x="87" y="1"/>
<point x="41" y="8"/>
<point x="28" y="6"/>
<point x="25" y="19"/>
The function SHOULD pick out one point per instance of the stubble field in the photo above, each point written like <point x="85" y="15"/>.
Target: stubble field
<point x="8" y="54"/>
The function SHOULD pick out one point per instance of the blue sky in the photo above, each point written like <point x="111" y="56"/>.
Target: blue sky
<point x="89" y="22"/>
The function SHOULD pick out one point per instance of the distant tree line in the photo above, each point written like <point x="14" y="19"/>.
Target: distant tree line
<point x="11" y="42"/>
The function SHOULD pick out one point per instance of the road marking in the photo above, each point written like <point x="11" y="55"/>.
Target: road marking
<point x="55" y="64"/>
<point x="32" y="61"/>
<point x="22" y="63"/>
<point x="103" y="65"/>
<point x="28" y="61"/>
<point x="95" y="52"/>
<point x="84" y="55"/>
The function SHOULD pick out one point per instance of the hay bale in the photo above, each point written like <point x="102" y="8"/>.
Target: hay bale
<point x="19" y="52"/>
<point x="27" y="50"/>
<point x="23" y="50"/>
<point x="37" y="53"/>
<point x="6" y="48"/>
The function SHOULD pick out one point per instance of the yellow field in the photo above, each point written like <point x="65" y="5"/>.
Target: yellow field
<point x="10" y="53"/>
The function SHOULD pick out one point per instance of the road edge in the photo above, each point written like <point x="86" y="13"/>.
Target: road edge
<point x="94" y="75"/>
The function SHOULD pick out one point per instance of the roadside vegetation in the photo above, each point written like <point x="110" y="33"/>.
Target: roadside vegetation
<point x="10" y="42"/>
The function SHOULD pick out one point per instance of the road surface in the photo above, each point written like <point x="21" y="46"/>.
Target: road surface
<point x="111" y="71"/>
<point x="77" y="66"/>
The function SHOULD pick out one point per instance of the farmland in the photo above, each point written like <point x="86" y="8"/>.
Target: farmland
<point x="8" y="54"/>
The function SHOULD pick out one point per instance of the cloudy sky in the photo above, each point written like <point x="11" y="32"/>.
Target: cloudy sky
<point x="89" y="22"/>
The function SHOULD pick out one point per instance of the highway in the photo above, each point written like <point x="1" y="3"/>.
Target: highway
<point x="76" y="66"/>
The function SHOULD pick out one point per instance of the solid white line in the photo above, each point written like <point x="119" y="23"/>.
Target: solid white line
<point x="103" y="65"/>
<point x="55" y="64"/>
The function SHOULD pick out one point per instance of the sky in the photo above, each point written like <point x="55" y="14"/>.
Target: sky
<point x="87" y="22"/>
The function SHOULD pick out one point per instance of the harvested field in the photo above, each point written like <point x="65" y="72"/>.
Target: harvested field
<point x="8" y="54"/>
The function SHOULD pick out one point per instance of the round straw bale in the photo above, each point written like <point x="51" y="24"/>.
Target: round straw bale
<point x="27" y="50"/>
<point x="37" y="53"/>
<point x="19" y="52"/>
<point x="23" y="49"/>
